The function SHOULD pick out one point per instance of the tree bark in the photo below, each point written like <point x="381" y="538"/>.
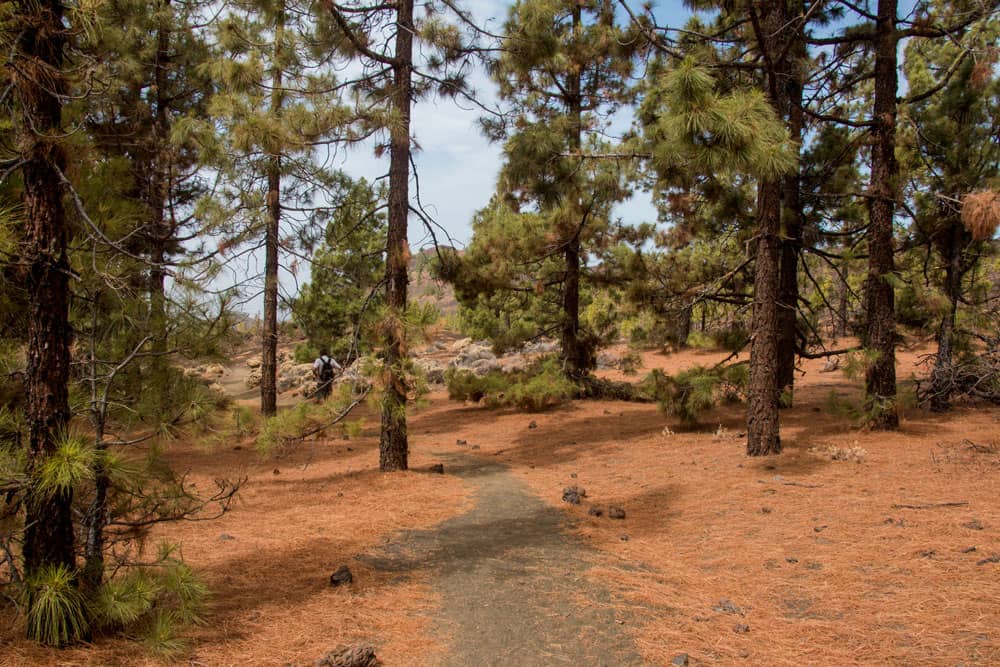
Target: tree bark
<point x="393" y="446"/>
<point x="269" y="329"/>
<point x="576" y="356"/>
<point x="161" y="233"/>
<point x="48" y="535"/>
<point x="880" y="336"/>
<point x="792" y="67"/>
<point x="763" y="436"/>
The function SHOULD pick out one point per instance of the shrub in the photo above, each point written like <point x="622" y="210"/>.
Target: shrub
<point x="696" y="390"/>
<point x="538" y="387"/>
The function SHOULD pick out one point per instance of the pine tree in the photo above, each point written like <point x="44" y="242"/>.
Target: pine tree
<point x="278" y="112"/>
<point x="704" y="131"/>
<point x="564" y="70"/>
<point x="394" y="75"/>
<point x="336" y="309"/>
<point x="150" y="61"/>
<point x="951" y="153"/>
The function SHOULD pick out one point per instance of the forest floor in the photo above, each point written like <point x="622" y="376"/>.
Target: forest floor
<point x="891" y="556"/>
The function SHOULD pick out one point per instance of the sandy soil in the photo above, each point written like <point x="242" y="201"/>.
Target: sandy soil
<point x="799" y="559"/>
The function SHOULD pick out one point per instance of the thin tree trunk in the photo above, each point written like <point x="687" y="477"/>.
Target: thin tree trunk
<point x="880" y="337"/>
<point x="842" y="316"/>
<point x="96" y="518"/>
<point x="161" y="232"/>
<point x="48" y="535"/>
<point x="763" y="436"/>
<point x="393" y="446"/>
<point x="269" y="330"/>
<point x="943" y="372"/>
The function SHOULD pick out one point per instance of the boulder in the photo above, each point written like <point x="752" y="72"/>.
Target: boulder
<point x="253" y="362"/>
<point x="253" y="378"/>
<point x="459" y="344"/>
<point x="432" y="369"/>
<point x="215" y="369"/>
<point x="482" y="367"/>
<point x="541" y="346"/>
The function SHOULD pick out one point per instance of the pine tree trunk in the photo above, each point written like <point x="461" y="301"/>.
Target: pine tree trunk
<point x="792" y="67"/>
<point x="48" y="535"/>
<point x="393" y="446"/>
<point x="573" y="353"/>
<point x="96" y="518"/>
<point x="880" y="336"/>
<point x="576" y="357"/>
<point x="161" y="232"/>
<point x="763" y="436"/>
<point x="943" y="372"/>
<point x="763" y="421"/>
<point x="269" y="330"/>
<point x="683" y="330"/>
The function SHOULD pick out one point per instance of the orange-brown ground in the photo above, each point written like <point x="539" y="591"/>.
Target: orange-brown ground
<point x="824" y="565"/>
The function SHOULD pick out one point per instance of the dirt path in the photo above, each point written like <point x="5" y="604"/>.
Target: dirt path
<point x="512" y="581"/>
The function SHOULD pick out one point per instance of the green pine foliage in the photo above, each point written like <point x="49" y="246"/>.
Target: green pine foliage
<point x="56" y="608"/>
<point x="541" y="386"/>
<point x="691" y="393"/>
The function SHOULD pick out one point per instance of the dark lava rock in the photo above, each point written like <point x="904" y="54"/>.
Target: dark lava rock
<point x="819" y="529"/>
<point x="968" y="550"/>
<point x="680" y="660"/>
<point x="596" y="510"/>
<point x="973" y="525"/>
<point x="623" y="538"/>
<point x="341" y="576"/>
<point x="573" y="494"/>
<point x="995" y="558"/>
<point x="533" y="424"/>
<point x="438" y="468"/>
<point x="226" y="537"/>
<point x="349" y="656"/>
<point x="461" y="442"/>
<point x="616" y="512"/>
<point x="741" y="627"/>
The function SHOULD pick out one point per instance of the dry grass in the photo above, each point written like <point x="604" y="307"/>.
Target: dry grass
<point x="981" y="214"/>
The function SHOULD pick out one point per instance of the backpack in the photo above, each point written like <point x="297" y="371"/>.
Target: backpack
<point x="326" y="372"/>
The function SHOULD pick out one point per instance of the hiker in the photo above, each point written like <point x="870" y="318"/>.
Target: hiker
<point x="323" y="369"/>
